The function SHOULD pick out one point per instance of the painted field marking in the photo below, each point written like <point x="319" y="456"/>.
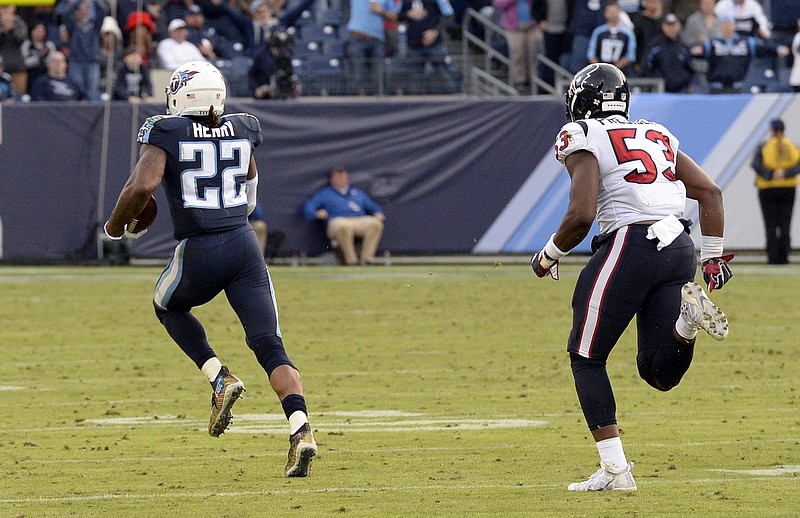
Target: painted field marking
<point x="371" y="489"/>
<point x="238" y="457"/>
<point x="11" y="387"/>
<point x="387" y="421"/>
<point x="772" y="472"/>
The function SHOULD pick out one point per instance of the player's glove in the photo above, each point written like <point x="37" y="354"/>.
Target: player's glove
<point x="545" y="261"/>
<point x="544" y="265"/>
<point x="126" y="234"/>
<point x="716" y="271"/>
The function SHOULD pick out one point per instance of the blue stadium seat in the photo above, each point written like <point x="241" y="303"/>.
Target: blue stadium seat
<point x="235" y="71"/>
<point x="305" y="19"/>
<point x="332" y="17"/>
<point x="322" y="76"/>
<point x="318" y="33"/>
<point x="306" y="49"/>
<point x="333" y="49"/>
<point x="761" y="74"/>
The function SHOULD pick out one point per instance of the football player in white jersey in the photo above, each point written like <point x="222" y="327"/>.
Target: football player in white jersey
<point x="632" y="177"/>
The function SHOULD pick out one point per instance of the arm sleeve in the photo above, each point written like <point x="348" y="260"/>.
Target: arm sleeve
<point x="370" y="206"/>
<point x="39" y="89"/>
<point x="631" y="54"/>
<point x="758" y="165"/>
<point x="146" y="88"/>
<point x="31" y="59"/>
<point x="445" y="8"/>
<point x="120" y="91"/>
<point x="591" y="50"/>
<point x="794" y="170"/>
<point x="252" y="191"/>
<point x="310" y="207"/>
<point x="650" y="59"/>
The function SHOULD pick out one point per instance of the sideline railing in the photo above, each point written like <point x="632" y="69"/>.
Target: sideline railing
<point x="495" y="59"/>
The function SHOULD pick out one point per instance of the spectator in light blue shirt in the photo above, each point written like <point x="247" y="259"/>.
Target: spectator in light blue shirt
<point x="366" y="48"/>
<point x="348" y="213"/>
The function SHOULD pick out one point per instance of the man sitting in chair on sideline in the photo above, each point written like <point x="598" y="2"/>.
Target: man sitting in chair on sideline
<point x="348" y="214"/>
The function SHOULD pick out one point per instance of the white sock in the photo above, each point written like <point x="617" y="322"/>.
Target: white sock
<point x="611" y="453"/>
<point x="211" y="368"/>
<point x="685" y="329"/>
<point x="296" y="421"/>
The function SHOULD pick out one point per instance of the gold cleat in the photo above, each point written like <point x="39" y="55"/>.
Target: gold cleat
<point x="302" y="450"/>
<point x="227" y="390"/>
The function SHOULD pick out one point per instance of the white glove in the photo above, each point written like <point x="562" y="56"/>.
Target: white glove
<point x="126" y="234"/>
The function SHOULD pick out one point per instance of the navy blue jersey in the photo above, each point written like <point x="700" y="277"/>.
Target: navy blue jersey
<point x="206" y="169"/>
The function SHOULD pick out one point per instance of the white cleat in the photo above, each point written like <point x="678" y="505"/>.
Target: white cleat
<point x="607" y="478"/>
<point x="698" y="310"/>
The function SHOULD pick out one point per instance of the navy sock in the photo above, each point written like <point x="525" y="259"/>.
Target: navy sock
<point x="292" y="403"/>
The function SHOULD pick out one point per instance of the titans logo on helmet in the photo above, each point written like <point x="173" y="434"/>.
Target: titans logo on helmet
<point x="179" y="80"/>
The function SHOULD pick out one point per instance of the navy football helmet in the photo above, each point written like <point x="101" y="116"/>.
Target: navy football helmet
<point x="597" y="91"/>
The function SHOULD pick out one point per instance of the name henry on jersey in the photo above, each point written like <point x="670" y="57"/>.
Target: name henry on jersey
<point x="200" y="131"/>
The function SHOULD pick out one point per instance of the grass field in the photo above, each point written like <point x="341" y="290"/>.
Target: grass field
<point x="433" y="391"/>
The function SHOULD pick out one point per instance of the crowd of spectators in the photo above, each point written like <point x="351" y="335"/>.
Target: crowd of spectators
<point x="684" y="42"/>
<point x="692" y="45"/>
<point x="110" y="47"/>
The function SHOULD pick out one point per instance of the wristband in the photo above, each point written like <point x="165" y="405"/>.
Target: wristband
<point x="710" y="246"/>
<point x="117" y="238"/>
<point x="552" y="251"/>
<point x="251" y="187"/>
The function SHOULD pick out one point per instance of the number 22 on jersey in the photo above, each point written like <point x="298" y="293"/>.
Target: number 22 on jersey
<point x="232" y="192"/>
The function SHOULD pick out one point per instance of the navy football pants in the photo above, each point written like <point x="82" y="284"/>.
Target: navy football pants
<point x="201" y="268"/>
<point x="627" y="277"/>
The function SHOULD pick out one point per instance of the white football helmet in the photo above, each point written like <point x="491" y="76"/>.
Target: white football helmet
<point x="194" y="87"/>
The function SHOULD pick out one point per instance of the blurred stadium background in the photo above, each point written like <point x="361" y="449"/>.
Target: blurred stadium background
<point x="467" y="174"/>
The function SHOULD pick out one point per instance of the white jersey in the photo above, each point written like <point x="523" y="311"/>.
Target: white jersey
<point x="749" y="16"/>
<point x="637" y="168"/>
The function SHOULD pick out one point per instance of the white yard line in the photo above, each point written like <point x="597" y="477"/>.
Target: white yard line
<point x="371" y="489"/>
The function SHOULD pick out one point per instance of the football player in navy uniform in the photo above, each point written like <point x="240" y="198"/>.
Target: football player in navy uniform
<point x="205" y="162"/>
<point x="632" y="178"/>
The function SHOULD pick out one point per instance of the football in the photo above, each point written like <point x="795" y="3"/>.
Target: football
<point x="145" y="218"/>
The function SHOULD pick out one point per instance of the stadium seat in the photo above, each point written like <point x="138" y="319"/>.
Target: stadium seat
<point x="305" y="20"/>
<point x="303" y="50"/>
<point x="235" y="71"/>
<point x="322" y="76"/>
<point x="332" y="17"/>
<point x="333" y="49"/>
<point x="761" y="75"/>
<point x="318" y="33"/>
